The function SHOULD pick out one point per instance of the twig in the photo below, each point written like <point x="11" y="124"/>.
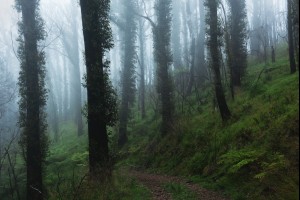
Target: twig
<point x="12" y="45"/>
<point x="79" y="186"/>
<point x="13" y="173"/>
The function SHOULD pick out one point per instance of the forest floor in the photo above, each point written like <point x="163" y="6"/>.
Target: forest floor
<point x="159" y="186"/>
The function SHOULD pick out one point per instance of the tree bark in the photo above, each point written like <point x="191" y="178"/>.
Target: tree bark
<point x="97" y="130"/>
<point x="34" y="183"/>
<point x="215" y="59"/>
<point x="291" y="37"/>
<point x="142" y="63"/>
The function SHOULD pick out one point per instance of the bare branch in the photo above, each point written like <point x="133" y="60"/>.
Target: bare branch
<point x="117" y="22"/>
<point x="147" y="18"/>
<point x="12" y="45"/>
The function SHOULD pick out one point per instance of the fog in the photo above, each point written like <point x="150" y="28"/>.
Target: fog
<point x="63" y="19"/>
<point x="65" y="56"/>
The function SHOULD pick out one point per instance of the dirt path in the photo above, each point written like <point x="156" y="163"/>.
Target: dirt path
<point x="155" y="184"/>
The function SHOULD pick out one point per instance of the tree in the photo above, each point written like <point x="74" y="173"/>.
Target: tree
<point x="163" y="58"/>
<point x="201" y="72"/>
<point x="128" y="72"/>
<point x="7" y="88"/>
<point x="192" y="57"/>
<point x="33" y="95"/>
<point x="291" y="37"/>
<point x="255" y="44"/>
<point x="238" y="37"/>
<point x="66" y="87"/>
<point x="70" y="42"/>
<point x="176" y="27"/>
<point x="7" y="98"/>
<point x="142" y="67"/>
<point x="52" y="106"/>
<point x="214" y="42"/>
<point x="101" y="102"/>
<point x="295" y="14"/>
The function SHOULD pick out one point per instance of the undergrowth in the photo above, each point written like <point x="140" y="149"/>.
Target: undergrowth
<point x="179" y="192"/>
<point x="255" y="155"/>
<point x="66" y="176"/>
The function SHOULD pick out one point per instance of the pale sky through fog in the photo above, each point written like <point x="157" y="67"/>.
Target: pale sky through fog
<point x="8" y="14"/>
<point x="8" y="34"/>
<point x="9" y="17"/>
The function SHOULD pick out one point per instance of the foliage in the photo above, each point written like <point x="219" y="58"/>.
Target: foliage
<point x="33" y="96"/>
<point x="101" y="98"/>
<point x="179" y="192"/>
<point x="111" y="107"/>
<point x="66" y="174"/>
<point x="253" y="156"/>
<point x="26" y="71"/>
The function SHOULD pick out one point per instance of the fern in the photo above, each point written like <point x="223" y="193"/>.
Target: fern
<point x="234" y="160"/>
<point x="260" y="175"/>
<point x="235" y="168"/>
<point x="273" y="166"/>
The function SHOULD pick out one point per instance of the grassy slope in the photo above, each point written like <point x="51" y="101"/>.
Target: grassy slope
<point x="67" y="167"/>
<point x="254" y="156"/>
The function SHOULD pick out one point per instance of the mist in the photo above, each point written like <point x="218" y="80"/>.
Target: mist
<point x="123" y="81"/>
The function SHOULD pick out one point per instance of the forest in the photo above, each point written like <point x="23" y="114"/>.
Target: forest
<point x="149" y="99"/>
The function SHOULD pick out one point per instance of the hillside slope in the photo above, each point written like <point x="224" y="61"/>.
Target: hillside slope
<point x="253" y="156"/>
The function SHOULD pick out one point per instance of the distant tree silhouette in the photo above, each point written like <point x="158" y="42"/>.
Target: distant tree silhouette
<point x="128" y="71"/>
<point x="163" y="58"/>
<point x="238" y="38"/>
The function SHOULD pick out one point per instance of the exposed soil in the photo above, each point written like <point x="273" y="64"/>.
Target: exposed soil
<point x="155" y="183"/>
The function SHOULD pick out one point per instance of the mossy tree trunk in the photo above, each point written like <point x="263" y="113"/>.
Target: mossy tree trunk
<point x="33" y="97"/>
<point x="128" y="71"/>
<point x="97" y="40"/>
<point x="291" y="37"/>
<point x="163" y="58"/>
<point x="214" y="43"/>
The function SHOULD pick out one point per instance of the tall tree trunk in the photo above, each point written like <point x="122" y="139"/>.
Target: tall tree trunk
<point x="185" y="36"/>
<point x="163" y="57"/>
<point x="296" y="30"/>
<point x="76" y="79"/>
<point x="237" y="50"/>
<point x="192" y="48"/>
<point x="192" y="69"/>
<point x="128" y="71"/>
<point x="59" y="74"/>
<point x="176" y="27"/>
<point x="66" y="91"/>
<point x="52" y="106"/>
<point x="34" y="106"/>
<point x="202" y="72"/>
<point x="142" y="63"/>
<point x="94" y="42"/>
<point x="214" y="32"/>
<point x="255" y="43"/>
<point x="70" y="42"/>
<point x="291" y="37"/>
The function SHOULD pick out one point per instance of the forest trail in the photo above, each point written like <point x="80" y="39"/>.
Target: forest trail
<point x="155" y="183"/>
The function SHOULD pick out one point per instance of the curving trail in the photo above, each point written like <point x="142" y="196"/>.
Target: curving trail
<point x="155" y="184"/>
